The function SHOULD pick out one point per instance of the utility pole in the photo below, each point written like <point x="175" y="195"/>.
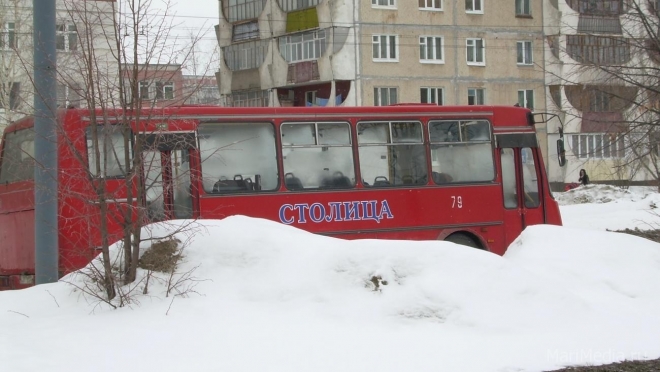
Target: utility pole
<point x="45" y="143"/>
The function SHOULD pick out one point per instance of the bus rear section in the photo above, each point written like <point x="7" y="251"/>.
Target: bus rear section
<point x="78" y="217"/>
<point x="17" y="207"/>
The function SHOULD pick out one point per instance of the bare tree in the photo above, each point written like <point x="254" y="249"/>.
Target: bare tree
<point x="120" y="60"/>
<point x="610" y="72"/>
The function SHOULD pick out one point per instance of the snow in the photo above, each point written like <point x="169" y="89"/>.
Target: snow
<point x="268" y="297"/>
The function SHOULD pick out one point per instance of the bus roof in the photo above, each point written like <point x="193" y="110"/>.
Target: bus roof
<point x="501" y="115"/>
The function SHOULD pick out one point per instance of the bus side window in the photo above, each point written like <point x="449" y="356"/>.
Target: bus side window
<point x="238" y="157"/>
<point x="509" y="178"/>
<point x="461" y="151"/>
<point x="392" y="154"/>
<point x="317" y="155"/>
<point x="111" y="150"/>
<point x="18" y="156"/>
<point x="530" y="180"/>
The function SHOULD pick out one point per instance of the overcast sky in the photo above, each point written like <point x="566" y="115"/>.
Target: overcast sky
<point x="191" y="17"/>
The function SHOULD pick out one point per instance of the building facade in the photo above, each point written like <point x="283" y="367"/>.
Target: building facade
<point x="599" y="60"/>
<point x="81" y="27"/>
<point x="380" y="52"/>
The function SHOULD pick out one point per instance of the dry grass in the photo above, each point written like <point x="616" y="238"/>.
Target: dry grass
<point x="162" y="256"/>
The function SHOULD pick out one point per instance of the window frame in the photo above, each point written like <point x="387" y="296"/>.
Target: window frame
<point x="211" y="153"/>
<point x="526" y="95"/>
<point x="391" y="4"/>
<point x="376" y="45"/>
<point x="68" y="32"/>
<point x="465" y="138"/>
<point x="392" y="141"/>
<point x="378" y="99"/>
<point x="524" y="9"/>
<point x="310" y="49"/>
<point x="8" y="36"/>
<point x="474" y="4"/>
<point x="476" y="96"/>
<point x="115" y="128"/>
<point x="439" y="93"/>
<point x="424" y="47"/>
<point x="12" y="170"/>
<point x="318" y="144"/>
<point x="12" y="95"/>
<point x="522" y="47"/>
<point x="474" y="55"/>
<point x="424" y="5"/>
<point x="583" y="145"/>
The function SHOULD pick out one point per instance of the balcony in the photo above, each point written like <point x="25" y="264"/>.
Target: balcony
<point x="597" y="7"/>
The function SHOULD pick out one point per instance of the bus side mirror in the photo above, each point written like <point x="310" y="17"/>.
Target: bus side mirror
<point x="561" y="152"/>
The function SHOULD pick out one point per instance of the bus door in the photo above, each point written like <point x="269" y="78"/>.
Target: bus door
<point x="170" y="192"/>
<point x="521" y="186"/>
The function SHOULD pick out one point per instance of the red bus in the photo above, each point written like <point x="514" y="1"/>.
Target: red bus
<point x="473" y="175"/>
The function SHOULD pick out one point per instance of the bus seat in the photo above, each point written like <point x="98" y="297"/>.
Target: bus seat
<point x="292" y="182"/>
<point x="441" y="178"/>
<point x="340" y="181"/>
<point x="225" y="185"/>
<point x="381" y="181"/>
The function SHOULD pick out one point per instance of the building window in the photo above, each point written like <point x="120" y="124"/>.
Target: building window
<point x="525" y="53"/>
<point x="600" y="101"/>
<point x="385" y="48"/>
<point x="8" y="36"/>
<point x="476" y="96"/>
<point x="238" y="10"/>
<point x="526" y="98"/>
<point x="475" y="52"/>
<point x="144" y="90"/>
<point x="10" y="95"/>
<point x="523" y="8"/>
<point x="290" y="5"/>
<point x="253" y="98"/>
<point x="432" y="95"/>
<point x="383" y="3"/>
<point x="69" y="95"/>
<point x="430" y="4"/>
<point x="598" y="49"/>
<point x="244" y="31"/>
<point x="164" y="90"/>
<point x="599" y="7"/>
<point x="66" y="37"/>
<point x="245" y="56"/>
<point x="431" y="49"/>
<point x="598" y="145"/>
<point x="474" y="6"/>
<point x="303" y="47"/>
<point x="385" y="96"/>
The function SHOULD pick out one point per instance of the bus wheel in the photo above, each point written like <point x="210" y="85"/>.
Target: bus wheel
<point x="463" y="239"/>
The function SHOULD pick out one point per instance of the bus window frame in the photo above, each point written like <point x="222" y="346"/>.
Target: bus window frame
<point x="491" y="135"/>
<point x="390" y="143"/>
<point x="203" y="192"/>
<point x="131" y="144"/>
<point x="317" y="144"/>
<point x="18" y="132"/>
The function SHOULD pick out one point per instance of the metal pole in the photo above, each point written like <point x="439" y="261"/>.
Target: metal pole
<point x="45" y="144"/>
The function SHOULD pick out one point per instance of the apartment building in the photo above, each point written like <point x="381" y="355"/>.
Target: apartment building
<point x="158" y="85"/>
<point x="591" y="44"/>
<point x="201" y="90"/>
<point x="78" y="24"/>
<point x="380" y="52"/>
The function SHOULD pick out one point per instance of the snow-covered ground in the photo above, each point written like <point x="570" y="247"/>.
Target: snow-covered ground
<point x="274" y="298"/>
